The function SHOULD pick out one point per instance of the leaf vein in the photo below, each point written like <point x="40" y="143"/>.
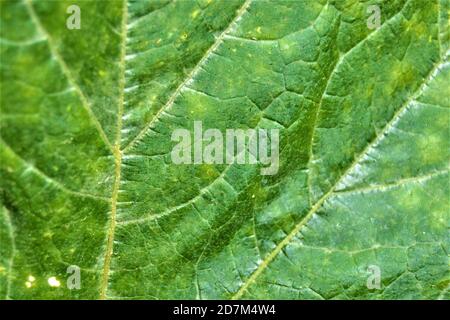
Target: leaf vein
<point x="190" y="76"/>
<point x="49" y="179"/>
<point x="118" y="161"/>
<point x="271" y="256"/>
<point x="330" y="77"/>
<point x="67" y="73"/>
<point x="13" y="252"/>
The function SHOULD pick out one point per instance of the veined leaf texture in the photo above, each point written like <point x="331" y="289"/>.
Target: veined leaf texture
<point x="87" y="178"/>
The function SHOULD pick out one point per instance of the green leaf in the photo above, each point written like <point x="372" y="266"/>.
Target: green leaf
<point x="87" y="178"/>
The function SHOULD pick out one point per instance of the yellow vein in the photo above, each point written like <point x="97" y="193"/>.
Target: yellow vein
<point x="13" y="252"/>
<point x="117" y="160"/>
<point x="271" y="256"/>
<point x="66" y="71"/>
<point x="441" y="48"/>
<point x="191" y="75"/>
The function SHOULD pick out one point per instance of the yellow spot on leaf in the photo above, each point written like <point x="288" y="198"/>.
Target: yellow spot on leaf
<point x="195" y="13"/>
<point x="53" y="282"/>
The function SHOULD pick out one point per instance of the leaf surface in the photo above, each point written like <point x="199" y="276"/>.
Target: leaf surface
<point x="87" y="177"/>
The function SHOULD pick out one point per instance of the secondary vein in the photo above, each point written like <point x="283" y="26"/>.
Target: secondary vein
<point x="13" y="252"/>
<point x="29" y="167"/>
<point x="339" y="62"/>
<point x="191" y="75"/>
<point x="67" y="73"/>
<point x="271" y="256"/>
